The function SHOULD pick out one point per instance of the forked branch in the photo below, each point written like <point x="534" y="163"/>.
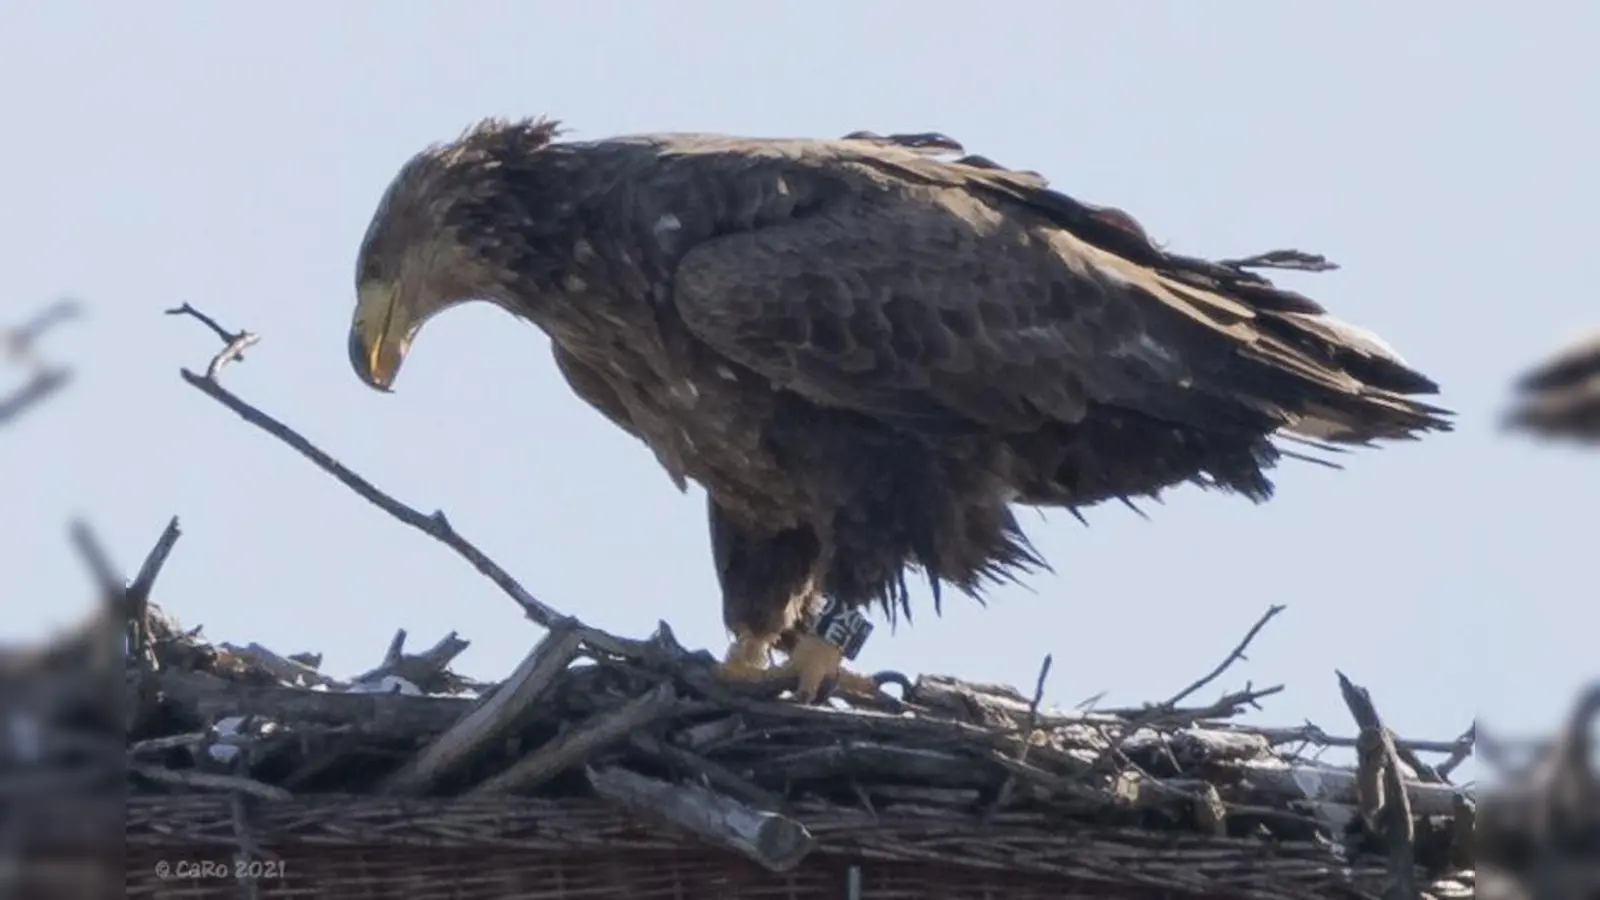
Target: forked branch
<point x="435" y="526"/>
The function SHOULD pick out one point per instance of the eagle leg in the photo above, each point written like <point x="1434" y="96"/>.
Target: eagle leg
<point x="747" y="658"/>
<point x="819" y="664"/>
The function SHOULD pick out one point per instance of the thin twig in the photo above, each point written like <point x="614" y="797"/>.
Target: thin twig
<point x="234" y="342"/>
<point x="1164" y="711"/>
<point x="1003" y="796"/>
<point x="1462" y="751"/>
<point x="1310" y="733"/>
<point x="1235" y="656"/>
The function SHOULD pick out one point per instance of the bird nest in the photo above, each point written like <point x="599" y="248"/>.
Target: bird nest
<point x="607" y="766"/>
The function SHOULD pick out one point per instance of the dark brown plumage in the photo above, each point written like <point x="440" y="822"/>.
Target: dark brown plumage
<point x="1560" y="397"/>
<point x="865" y="353"/>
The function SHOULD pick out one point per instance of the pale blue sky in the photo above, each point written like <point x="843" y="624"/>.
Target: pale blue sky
<point x="231" y="154"/>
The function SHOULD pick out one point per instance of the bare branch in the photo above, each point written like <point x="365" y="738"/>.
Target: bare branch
<point x="774" y="841"/>
<point x="1226" y="706"/>
<point x="44" y="384"/>
<point x="429" y="670"/>
<point x="1003" y="796"/>
<point x="234" y="343"/>
<point x="1236" y="655"/>
<point x="1381" y="791"/>
<point x="1462" y="751"/>
<point x="492" y="719"/>
<point x="18" y="340"/>
<point x="1457" y="749"/>
<point x="96" y="559"/>
<point x="582" y="741"/>
<point x="435" y="526"/>
<point x="17" y="344"/>
<point x="284" y="669"/>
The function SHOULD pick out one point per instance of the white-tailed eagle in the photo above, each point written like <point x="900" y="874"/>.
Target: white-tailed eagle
<point x="866" y="350"/>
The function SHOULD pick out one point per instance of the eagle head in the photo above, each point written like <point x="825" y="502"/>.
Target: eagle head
<point x="447" y="231"/>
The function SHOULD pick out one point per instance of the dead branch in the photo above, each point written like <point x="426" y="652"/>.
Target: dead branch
<point x="1236" y="655"/>
<point x="118" y="633"/>
<point x="711" y="773"/>
<point x="492" y="719"/>
<point x="1003" y="796"/>
<point x="384" y="716"/>
<point x="44" y="384"/>
<point x="284" y="669"/>
<point x="135" y="616"/>
<point x="435" y="526"/>
<point x="428" y="670"/>
<point x="775" y="842"/>
<point x="1311" y="734"/>
<point x="1167" y="711"/>
<point x="19" y="341"/>
<point x="234" y="343"/>
<point x="1538" y="831"/>
<point x="18" y="345"/>
<point x="1381" y="791"/>
<point x="570" y="749"/>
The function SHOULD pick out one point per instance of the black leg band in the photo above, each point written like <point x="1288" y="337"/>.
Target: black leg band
<point x="842" y="627"/>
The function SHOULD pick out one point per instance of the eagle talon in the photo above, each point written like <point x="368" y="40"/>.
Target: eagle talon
<point x="746" y="660"/>
<point x="891" y="677"/>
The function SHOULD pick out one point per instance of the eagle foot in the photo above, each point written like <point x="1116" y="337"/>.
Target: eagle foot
<point x="819" y="666"/>
<point x="746" y="660"/>
<point x="815" y="665"/>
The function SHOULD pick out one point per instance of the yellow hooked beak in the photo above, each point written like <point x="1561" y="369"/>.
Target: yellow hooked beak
<point x="379" y="337"/>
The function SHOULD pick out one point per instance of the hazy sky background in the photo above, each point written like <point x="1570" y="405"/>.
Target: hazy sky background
<point x="231" y="155"/>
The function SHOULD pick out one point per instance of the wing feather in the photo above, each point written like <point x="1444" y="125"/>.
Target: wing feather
<point x="946" y="294"/>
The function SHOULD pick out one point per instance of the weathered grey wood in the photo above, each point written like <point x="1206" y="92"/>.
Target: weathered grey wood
<point x="490" y="719"/>
<point x="1330" y="785"/>
<point x="871" y="759"/>
<point x="427" y="670"/>
<point x="573" y="747"/>
<point x="283" y="668"/>
<point x="397" y="716"/>
<point x="775" y="842"/>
